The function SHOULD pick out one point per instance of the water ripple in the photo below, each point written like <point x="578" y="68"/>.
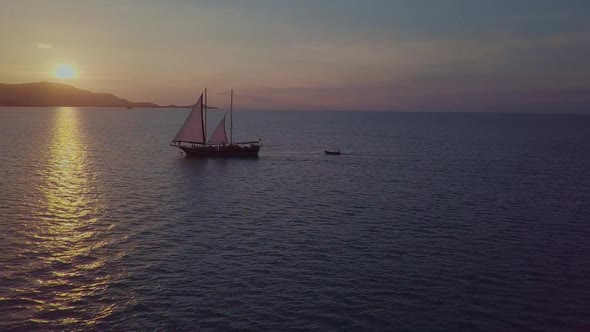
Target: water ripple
<point x="431" y="222"/>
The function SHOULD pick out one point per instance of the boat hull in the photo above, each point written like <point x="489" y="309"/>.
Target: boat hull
<point x="226" y="151"/>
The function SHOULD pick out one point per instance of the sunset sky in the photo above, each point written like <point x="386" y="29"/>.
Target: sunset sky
<point x="400" y="55"/>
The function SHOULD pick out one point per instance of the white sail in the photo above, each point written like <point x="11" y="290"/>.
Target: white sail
<point x="193" y="131"/>
<point x="219" y="136"/>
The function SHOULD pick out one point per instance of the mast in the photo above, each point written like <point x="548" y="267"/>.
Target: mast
<point x="205" y="122"/>
<point x="231" y="118"/>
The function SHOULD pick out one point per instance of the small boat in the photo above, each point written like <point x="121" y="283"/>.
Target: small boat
<point x="191" y="138"/>
<point x="332" y="151"/>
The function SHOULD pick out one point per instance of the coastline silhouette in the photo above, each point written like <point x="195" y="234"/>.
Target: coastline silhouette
<point x="49" y="94"/>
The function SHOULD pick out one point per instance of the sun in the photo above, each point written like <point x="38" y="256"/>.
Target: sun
<point x="65" y="72"/>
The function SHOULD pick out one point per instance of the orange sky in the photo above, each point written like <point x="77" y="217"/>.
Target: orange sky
<point x="350" y="55"/>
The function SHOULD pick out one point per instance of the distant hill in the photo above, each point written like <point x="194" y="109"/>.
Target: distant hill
<point x="56" y="94"/>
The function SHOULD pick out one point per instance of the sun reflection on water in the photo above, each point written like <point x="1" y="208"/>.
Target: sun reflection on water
<point x="68" y="280"/>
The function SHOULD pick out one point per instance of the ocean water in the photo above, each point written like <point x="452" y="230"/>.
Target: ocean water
<point x="427" y="221"/>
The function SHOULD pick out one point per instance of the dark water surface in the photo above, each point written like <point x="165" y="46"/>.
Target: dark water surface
<point x="426" y="222"/>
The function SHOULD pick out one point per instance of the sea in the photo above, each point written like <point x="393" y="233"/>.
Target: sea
<point x="425" y="222"/>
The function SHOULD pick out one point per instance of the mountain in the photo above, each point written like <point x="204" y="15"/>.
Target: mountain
<point x="57" y="94"/>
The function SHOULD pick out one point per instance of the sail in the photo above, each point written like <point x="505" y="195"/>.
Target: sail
<point x="192" y="130"/>
<point x="219" y="136"/>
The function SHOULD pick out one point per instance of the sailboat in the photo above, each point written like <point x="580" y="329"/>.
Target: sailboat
<point x="191" y="138"/>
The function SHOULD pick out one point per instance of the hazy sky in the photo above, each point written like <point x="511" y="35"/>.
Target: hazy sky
<point x="405" y="55"/>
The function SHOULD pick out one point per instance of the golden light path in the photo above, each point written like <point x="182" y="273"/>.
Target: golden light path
<point x="66" y="239"/>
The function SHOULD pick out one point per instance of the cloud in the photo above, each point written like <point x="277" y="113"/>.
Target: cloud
<point x="40" y="45"/>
